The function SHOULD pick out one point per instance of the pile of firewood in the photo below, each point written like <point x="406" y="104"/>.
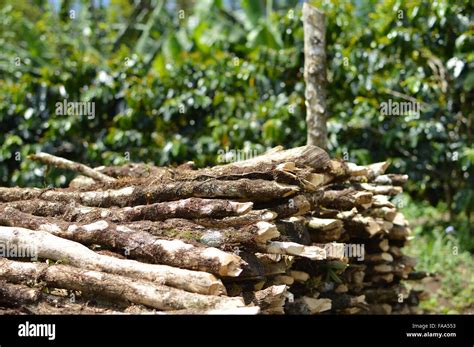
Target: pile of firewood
<point x="290" y="231"/>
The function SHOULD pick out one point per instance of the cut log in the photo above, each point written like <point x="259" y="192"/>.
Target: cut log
<point x="342" y="288"/>
<point x="342" y="301"/>
<point x="319" y="179"/>
<point x="133" y="170"/>
<point x="299" y="276"/>
<point x="399" y="233"/>
<point x="386" y="213"/>
<point x="362" y="225"/>
<point x="356" y="170"/>
<point x="42" y="208"/>
<point x="376" y="169"/>
<point x="380" y="309"/>
<point x="345" y="199"/>
<point x="337" y="250"/>
<point x="297" y="206"/>
<point x="337" y="169"/>
<point x="225" y="238"/>
<point x="395" y="251"/>
<point x="243" y="189"/>
<point x="380" y="268"/>
<point x="187" y="208"/>
<point x="282" y="280"/>
<point x="124" y="236"/>
<point x="381" y="201"/>
<point x="308" y="305"/>
<point x="384" y="245"/>
<point x="270" y="300"/>
<point x="275" y="264"/>
<point x="13" y="295"/>
<point x="384" y="295"/>
<point x="139" y="244"/>
<point x="379" y="190"/>
<point x="70" y="165"/>
<point x="52" y="247"/>
<point x="379" y="258"/>
<point x="376" y="245"/>
<point x="326" y="236"/>
<point x="291" y="248"/>
<point x="113" y="287"/>
<point x="391" y="179"/>
<point x="248" y="310"/>
<point x="305" y="156"/>
<point x="238" y="221"/>
<point x="380" y="279"/>
<point x="321" y="224"/>
<point x="294" y="230"/>
<point x="400" y="220"/>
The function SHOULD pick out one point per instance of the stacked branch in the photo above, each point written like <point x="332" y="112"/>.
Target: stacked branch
<point x="290" y="231"/>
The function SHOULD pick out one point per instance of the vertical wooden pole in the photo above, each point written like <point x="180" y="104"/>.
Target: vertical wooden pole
<point x="315" y="75"/>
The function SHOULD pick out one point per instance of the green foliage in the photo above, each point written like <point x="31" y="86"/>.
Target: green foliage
<point x="438" y="248"/>
<point x="173" y="82"/>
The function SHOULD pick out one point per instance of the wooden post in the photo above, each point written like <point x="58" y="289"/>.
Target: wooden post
<point x="315" y="75"/>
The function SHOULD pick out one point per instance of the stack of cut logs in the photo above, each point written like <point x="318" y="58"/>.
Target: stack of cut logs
<point x="290" y="231"/>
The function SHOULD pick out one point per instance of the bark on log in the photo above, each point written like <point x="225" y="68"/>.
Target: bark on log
<point x="238" y="221"/>
<point x="391" y="180"/>
<point x="379" y="190"/>
<point x="13" y="295"/>
<point x="139" y="244"/>
<point x="315" y="75"/>
<point x="399" y="232"/>
<point x="112" y="287"/>
<point x="296" y="206"/>
<point x="294" y="230"/>
<point x="345" y="199"/>
<point x="305" y="156"/>
<point x="244" y="189"/>
<point x="133" y="170"/>
<point x="275" y="264"/>
<point x="247" y="235"/>
<point x="270" y="300"/>
<point x="188" y="208"/>
<point x="282" y="280"/>
<point x="49" y="246"/>
<point x="288" y="166"/>
<point x="384" y="295"/>
<point x="360" y="226"/>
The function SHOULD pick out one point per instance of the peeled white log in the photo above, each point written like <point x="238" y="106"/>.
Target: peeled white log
<point x="52" y="247"/>
<point x="113" y="287"/>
